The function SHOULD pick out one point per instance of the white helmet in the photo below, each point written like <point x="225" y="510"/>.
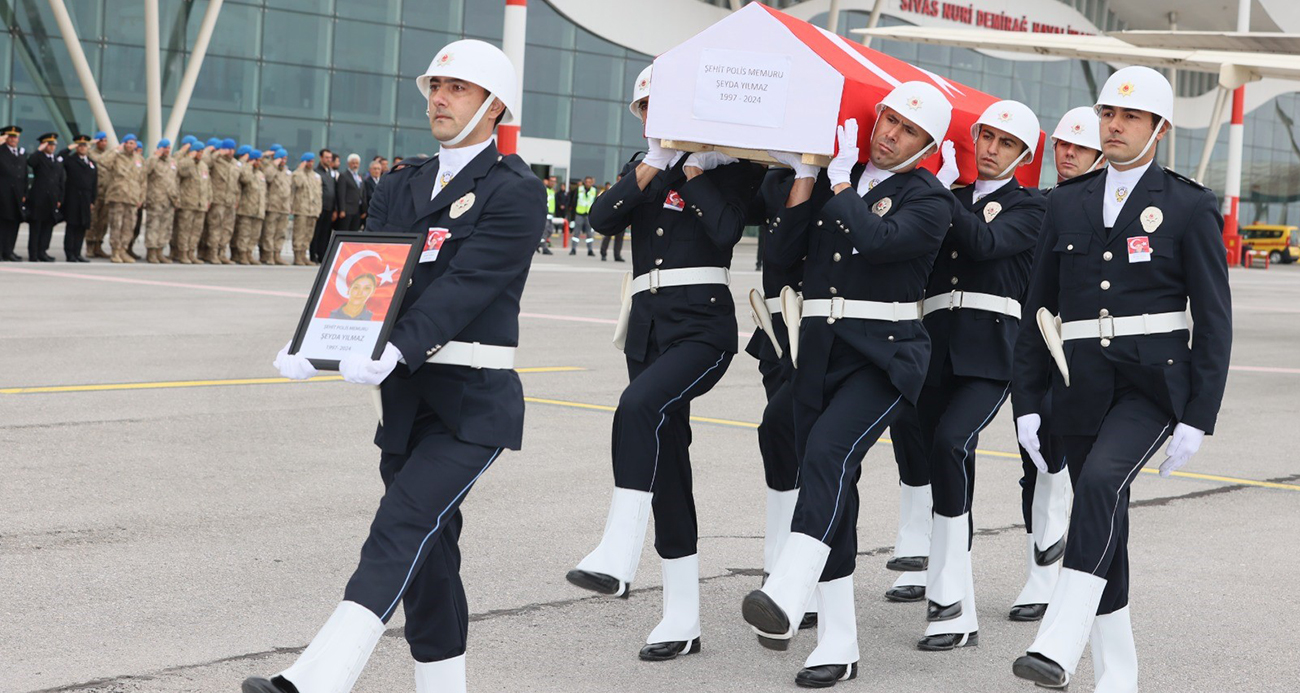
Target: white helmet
<point x="480" y="63"/>
<point x="1014" y="118"/>
<point x="923" y="104"/>
<point x="641" y="89"/>
<point x="1139" y="88"/>
<point x="1079" y="126"/>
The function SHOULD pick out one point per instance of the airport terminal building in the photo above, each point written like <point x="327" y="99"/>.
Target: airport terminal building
<point x="314" y="73"/>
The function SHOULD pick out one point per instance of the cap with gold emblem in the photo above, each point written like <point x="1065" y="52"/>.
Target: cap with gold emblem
<point x="48" y="137"/>
<point x="81" y="139"/>
<point x="11" y="130"/>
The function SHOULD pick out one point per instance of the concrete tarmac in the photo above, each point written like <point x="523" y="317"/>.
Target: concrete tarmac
<point x="178" y="531"/>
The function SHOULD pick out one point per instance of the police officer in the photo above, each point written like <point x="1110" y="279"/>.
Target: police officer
<point x="125" y="195"/>
<point x="687" y="214"/>
<point x="160" y="202"/>
<point x="1045" y="498"/>
<point x="252" y="207"/>
<point x="82" y="177"/>
<point x="306" y="207"/>
<point x="278" y="206"/>
<point x="13" y="190"/>
<point x="584" y="196"/>
<point x="869" y="234"/>
<point x="220" y="227"/>
<point x="45" y="196"/>
<point x="1124" y="252"/>
<point x="194" y="198"/>
<point x="455" y="334"/>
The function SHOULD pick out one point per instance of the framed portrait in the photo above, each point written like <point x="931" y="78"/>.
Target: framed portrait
<point x="354" y="301"/>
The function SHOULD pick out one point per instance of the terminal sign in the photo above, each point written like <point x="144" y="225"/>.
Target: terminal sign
<point x="742" y="87"/>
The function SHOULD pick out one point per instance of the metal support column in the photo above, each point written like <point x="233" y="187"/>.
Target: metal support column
<point x="152" y="77"/>
<point x="82" y="66"/>
<point x="1236" y="140"/>
<point x="192" y="70"/>
<point x="873" y="21"/>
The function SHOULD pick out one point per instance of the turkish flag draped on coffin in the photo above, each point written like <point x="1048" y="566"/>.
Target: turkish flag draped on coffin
<point x="761" y="79"/>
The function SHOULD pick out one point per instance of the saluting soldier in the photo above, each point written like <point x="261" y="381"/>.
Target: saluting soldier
<point x="220" y="226"/>
<point x="1125" y="251"/>
<point x="82" y="178"/>
<point x="160" y="202"/>
<point x="869" y="233"/>
<point x="252" y="207"/>
<point x="13" y="190"/>
<point x="1045" y="498"/>
<point x="193" y="200"/>
<point x="306" y="208"/>
<point x="455" y="334"/>
<point x="99" y="214"/>
<point x="687" y="213"/>
<point x="45" y="196"/>
<point x="279" y="204"/>
<point x="125" y="195"/>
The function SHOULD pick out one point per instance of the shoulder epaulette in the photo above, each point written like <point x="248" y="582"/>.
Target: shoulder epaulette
<point x="412" y="162"/>
<point x="1185" y="179"/>
<point x="1077" y="179"/>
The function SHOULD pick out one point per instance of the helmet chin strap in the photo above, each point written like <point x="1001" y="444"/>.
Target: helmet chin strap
<point x="473" y="123"/>
<point x="915" y="158"/>
<point x="1150" y="141"/>
<point x="1006" y="171"/>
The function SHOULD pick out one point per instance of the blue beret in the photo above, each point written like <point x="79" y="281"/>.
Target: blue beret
<point x="99" y="135"/>
<point x="214" y="143"/>
<point x="228" y="143"/>
<point x="188" y="139"/>
<point x="254" y="155"/>
<point x="129" y="138"/>
<point x="274" y="147"/>
<point x="164" y="142"/>
<point x="243" y="149"/>
<point x="307" y="156"/>
<point x="280" y="153"/>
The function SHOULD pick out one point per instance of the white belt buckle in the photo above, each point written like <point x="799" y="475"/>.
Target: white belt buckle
<point x="955" y="299"/>
<point x="836" y="310"/>
<point x="920" y="309"/>
<point x="654" y="281"/>
<point x="1106" y="327"/>
<point x="726" y="272"/>
<point x="473" y="357"/>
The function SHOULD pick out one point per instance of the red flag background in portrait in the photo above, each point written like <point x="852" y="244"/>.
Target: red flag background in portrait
<point x="354" y="259"/>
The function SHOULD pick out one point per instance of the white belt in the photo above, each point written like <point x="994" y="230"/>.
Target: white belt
<point x="1128" y="326"/>
<point x="972" y="300"/>
<point x="655" y="279"/>
<point x="474" y="355"/>
<point x="773" y="305"/>
<point x="835" y="308"/>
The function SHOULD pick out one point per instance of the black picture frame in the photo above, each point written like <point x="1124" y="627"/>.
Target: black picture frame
<point x="414" y="241"/>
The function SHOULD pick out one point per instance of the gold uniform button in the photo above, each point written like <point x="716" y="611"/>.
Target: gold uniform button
<point x="659" y="232"/>
<point x="778" y="220"/>
<point x="1108" y="256"/>
<point x="830" y="321"/>
<point x="1105" y="285"/>
<point x="713" y="299"/>
<point x="1070" y="247"/>
<point x="1105" y="342"/>
<point x="834" y="291"/>
<point x="954" y="255"/>
<point x="1103" y="313"/>
<point x="891" y="337"/>
<point x="819" y="222"/>
<point x="699" y="214"/>
<point x="954" y="281"/>
<point x="1170" y="362"/>
<point x="659" y="261"/>
<point x="836" y="257"/>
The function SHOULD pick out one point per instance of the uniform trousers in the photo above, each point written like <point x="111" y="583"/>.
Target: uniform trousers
<point x="8" y="236"/>
<point x="618" y="244"/>
<point x="858" y="403"/>
<point x="412" y="554"/>
<point x="1102" y="468"/>
<point x="320" y="240"/>
<point x="248" y="230"/>
<point x="121" y="224"/>
<point x="1029" y="473"/>
<point x="909" y="440"/>
<point x="776" y="442"/>
<point x="303" y="227"/>
<point x="942" y="431"/>
<point x="158" y="226"/>
<point x="73" y="236"/>
<point x="98" y="222"/>
<point x="189" y="229"/>
<point x="39" y="234"/>
<point x="273" y="231"/>
<point x="220" y="227"/>
<point x="652" y="435"/>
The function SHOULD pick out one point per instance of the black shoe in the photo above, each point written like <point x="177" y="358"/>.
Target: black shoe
<point x="573" y="251"/>
<point x="1041" y="670"/>
<point x="257" y="684"/>
<point x="590" y="253"/>
<point x="948" y="641"/>
<point x="1028" y="612"/>
<point x="48" y="258"/>
<point x="906" y="593"/>
<point x="826" y="675"/>
<point x="599" y="583"/>
<point x="908" y="564"/>
<point x="1051" y="555"/>
<point x="603" y="258"/>
<point x="758" y="267"/>
<point x="13" y="257"/>
<point x="547" y="251"/>
<point x="619" y="259"/>
<point x="664" y="651"/>
<point x="770" y="623"/>
<point x="809" y="620"/>
<point x="938" y="612"/>
<point x="82" y="258"/>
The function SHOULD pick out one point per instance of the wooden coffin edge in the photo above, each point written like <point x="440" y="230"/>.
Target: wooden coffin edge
<point x="758" y="155"/>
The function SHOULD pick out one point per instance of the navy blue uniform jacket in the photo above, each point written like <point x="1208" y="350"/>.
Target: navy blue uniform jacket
<point x="767" y="205"/>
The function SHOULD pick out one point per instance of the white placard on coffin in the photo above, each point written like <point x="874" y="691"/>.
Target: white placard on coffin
<point x="746" y="82"/>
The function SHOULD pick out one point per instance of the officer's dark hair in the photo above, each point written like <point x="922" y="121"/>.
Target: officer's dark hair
<point x="323" y="152"/>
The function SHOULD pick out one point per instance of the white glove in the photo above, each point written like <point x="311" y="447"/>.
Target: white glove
<point x="707" y="161"/>
<point x="795" y="161"/>
<point x="364" y="371"/>
<point x="658" y="156"/>
<point x="841" y="167"/>
<point x="1184" y="443"/>
<point x="294" y="366"/>
<point x="948" y="172"/>
<point x="1027" y="434"/>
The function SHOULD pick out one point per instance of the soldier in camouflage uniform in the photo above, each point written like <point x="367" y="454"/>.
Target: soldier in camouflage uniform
<point x="99" y="213"/>
<point x="306" y="207"/>
<point x="125" y="195"/>
<point x="279" y="203"/>
<point x="251" y="210"/>
<point x="225" y="194"/>
<point x="193" y="201"/>
<point x="160" y="202"/>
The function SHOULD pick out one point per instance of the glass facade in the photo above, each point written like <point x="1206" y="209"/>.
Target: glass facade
<point x="338" y="73"/>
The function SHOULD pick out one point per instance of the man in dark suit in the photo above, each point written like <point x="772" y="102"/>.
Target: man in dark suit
<point x="1124" y="253"/>
<point x="328" y="205"/>
<point x="869" y="233"/>
<point x="45" y="197"/>
<point x="349" y="195"/>
<point x="370" y="183"/>
<point x="78" y="197"/>
<point x="452" y="402"/>
<point x="13" y="191"/>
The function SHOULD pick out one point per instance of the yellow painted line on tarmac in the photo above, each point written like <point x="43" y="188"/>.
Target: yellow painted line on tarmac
<point x="164" y="385"/>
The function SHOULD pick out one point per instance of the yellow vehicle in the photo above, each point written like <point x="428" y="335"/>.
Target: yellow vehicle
<point x="1282" y="243"/>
